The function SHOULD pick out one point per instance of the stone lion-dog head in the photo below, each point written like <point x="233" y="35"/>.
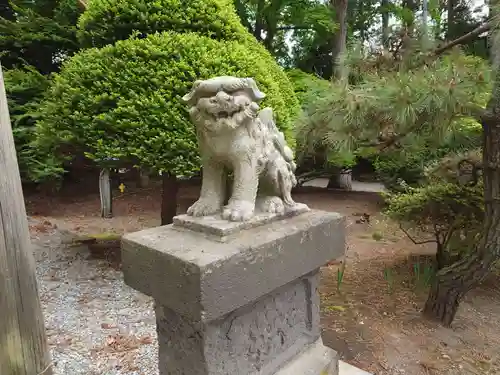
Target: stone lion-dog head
<point x="222" y="102"/>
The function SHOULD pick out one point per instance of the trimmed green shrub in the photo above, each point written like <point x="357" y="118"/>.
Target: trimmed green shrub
<point x="107" y="21"/>
<point x="446" y="213"/>
<point x="448" y="208"/>
<point x="123" y="101"/>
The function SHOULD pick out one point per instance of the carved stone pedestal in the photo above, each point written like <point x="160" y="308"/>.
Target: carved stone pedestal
<point x="237" y="298"/>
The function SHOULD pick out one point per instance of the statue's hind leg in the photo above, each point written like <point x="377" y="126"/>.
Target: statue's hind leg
<point x="270" y="204"/>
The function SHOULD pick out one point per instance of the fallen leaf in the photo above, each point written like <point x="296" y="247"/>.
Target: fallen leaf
<point x="146" y="340"/>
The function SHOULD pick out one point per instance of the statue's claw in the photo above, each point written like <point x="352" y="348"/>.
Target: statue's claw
<point x="204" y="207"/>
<point x="238" y="211"/>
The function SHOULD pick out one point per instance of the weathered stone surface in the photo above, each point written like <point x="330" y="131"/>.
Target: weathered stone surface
<point x="256" y="339"/>
<point x="235" y="298"/>
<point x="347" y="369"/>
<point x="316" y="359"/>
<point x="221" y="228"/>
<point x="204" y="279"/>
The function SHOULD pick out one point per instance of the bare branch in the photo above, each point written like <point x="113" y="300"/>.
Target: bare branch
<point x="412" y="239"/>
<point x="461" y="40"/>
<point x="464" y="38"/>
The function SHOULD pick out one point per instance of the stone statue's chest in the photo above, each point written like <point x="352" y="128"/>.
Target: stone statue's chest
<point x="225" y="145"/>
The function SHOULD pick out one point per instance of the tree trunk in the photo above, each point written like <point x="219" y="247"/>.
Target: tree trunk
<point x="105" y="193"/>
<point x="409" y="23"/>
<point x="451" y="19"/>
<point x="259" y="20"/>
<point x="345" y="179"/>
<point x="170" y="188"/>
<point x="441" y="257"/>
<point x="143" y="179"/>
<point x="425" y="22"/>
<point x="23" y="340"/>
<point x="340" y="38"/>
<point x="452" y="283"/>
<point x="385" y="23"/>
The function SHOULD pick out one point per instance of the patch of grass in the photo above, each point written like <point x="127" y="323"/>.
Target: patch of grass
<point x="377" y="236"/>
<point x="105" y="236"/>
<point x="389" y="278"/>
<point x="340" y="275"/>
<point x="334" y="308"/>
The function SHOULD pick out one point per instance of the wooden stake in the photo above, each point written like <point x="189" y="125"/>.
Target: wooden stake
<point x="23" y="343"/>
<point x="105" y="193"/>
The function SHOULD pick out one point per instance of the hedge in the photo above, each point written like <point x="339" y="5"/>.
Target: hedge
<point x="107" y="21"/>
<point x="124" y="100"/>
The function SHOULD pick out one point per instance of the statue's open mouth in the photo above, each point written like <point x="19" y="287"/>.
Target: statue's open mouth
<point x="224" y="114"/>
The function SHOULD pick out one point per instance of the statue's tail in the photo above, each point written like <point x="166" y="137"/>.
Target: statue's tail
<point x="267" y="117"/>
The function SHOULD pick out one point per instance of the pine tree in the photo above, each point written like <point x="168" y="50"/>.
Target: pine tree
<point x="454" y="282"/>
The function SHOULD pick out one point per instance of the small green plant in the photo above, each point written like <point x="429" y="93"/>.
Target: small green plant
<point x="340" y="275"/>
<point x="423" y="274"/>
<point x="377" y="236"/>
<point x="428" y="275"/>
<point x="439" y="212"/>
<point x="389" y="278"/>
<point x="416" y="270"/>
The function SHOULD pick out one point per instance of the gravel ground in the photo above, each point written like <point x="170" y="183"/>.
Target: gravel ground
<point x="96" y="324"/>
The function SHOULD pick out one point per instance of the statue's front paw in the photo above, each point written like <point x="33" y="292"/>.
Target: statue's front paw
<point x="238" y="211"/>
<point x="204" y="207"/>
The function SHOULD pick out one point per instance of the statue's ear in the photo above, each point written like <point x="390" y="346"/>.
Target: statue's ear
<point x="190" y="97"/>
<point x="252" y="88"/>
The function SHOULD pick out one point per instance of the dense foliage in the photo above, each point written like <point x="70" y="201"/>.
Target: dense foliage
<point x="25" y="90"/>
<point x="275" y="23"/>
<point x="107" y="21"/>
<point x="35" y="37"/>
<point x="407" y="164"/>
<point x="123" y="101"/>
<point x="448" y="208"/>
<point x="40" y="34"/>
<point x="387" y="109"/>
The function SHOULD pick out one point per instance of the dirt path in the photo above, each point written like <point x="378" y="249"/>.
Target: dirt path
<point x="372" y="318"/>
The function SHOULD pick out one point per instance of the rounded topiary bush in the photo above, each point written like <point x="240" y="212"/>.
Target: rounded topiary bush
<point x="123" y="101"/>
<point x="107" y="21"/>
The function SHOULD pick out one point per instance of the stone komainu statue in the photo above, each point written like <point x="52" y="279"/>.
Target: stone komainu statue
<point x="233" y="135"/>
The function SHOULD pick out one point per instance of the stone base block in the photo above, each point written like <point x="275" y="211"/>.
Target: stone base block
<point x="255" y="339"/>
<point x="347" y="369"/>
<point x="237" y="300"/>
<point x="316" y="359"/>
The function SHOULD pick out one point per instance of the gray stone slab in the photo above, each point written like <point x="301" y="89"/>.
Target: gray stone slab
<point x="347" y="369"/>
<point x="216" y="226"/>
<point x="256" y="339"/>
<point x="316" y="359"/>
<point x="203" y="279"/>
